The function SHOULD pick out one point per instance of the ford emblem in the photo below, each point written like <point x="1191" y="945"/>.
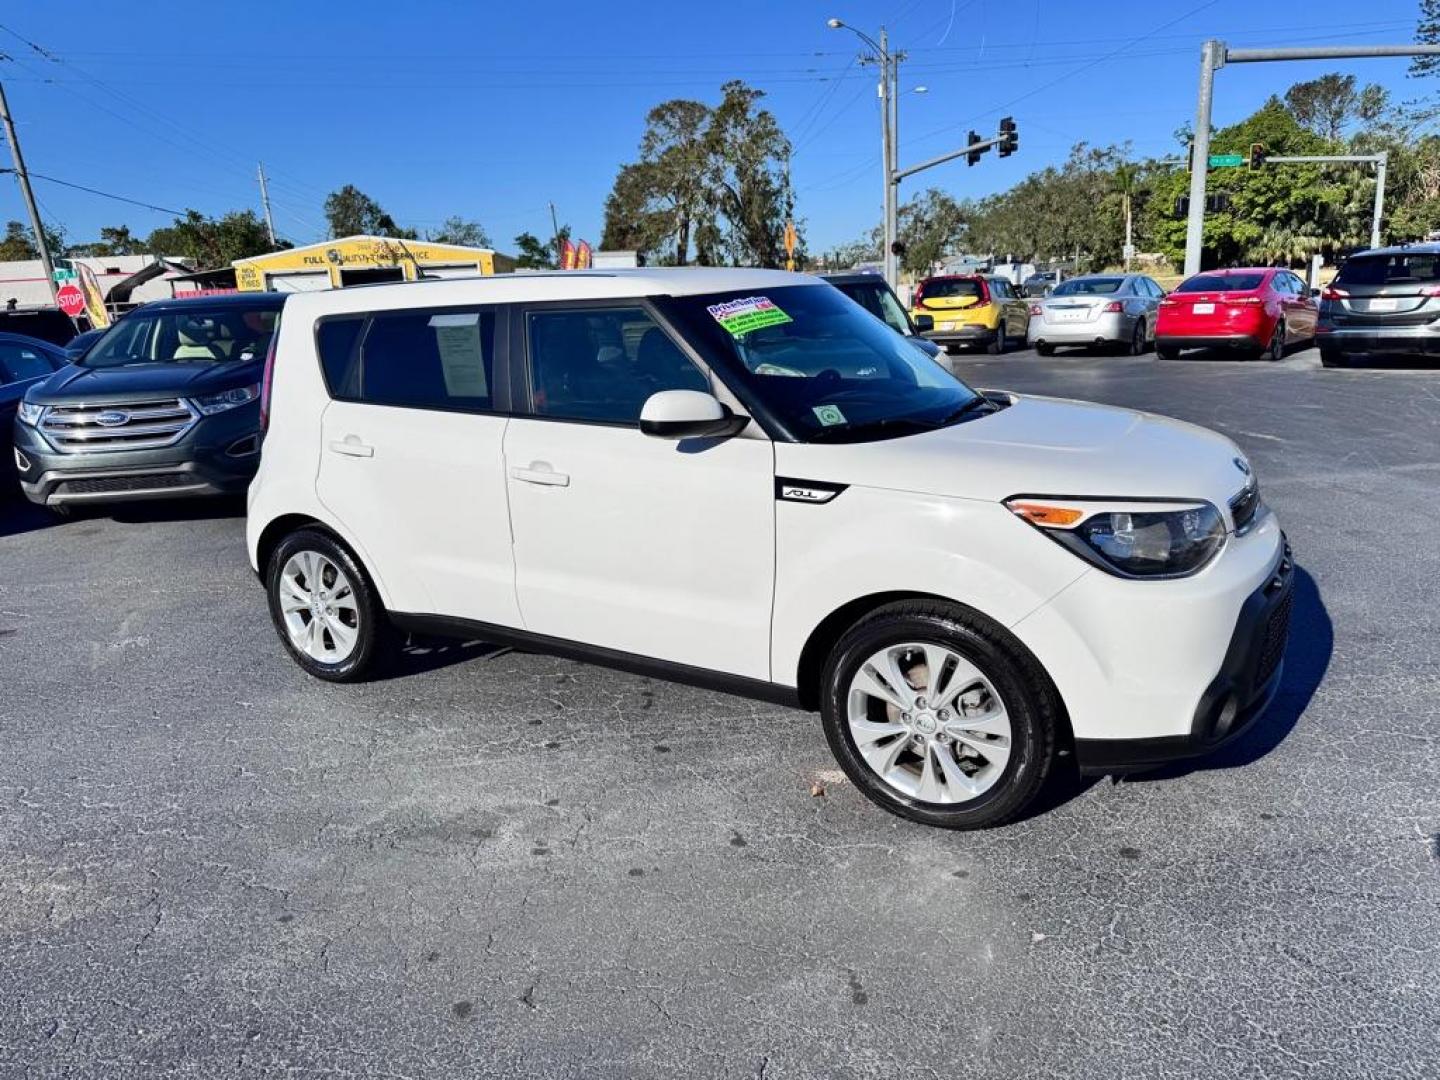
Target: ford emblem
<point x="112" y="418"/>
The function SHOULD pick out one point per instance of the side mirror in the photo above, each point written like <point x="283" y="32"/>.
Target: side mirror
<point x="688" y="414"/>
<point x="924" y="323"/>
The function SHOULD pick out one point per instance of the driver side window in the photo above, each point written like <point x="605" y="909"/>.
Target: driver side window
<point x="601" y="364"/>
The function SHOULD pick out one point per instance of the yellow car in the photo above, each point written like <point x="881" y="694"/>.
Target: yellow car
<point x="971" y="310"/>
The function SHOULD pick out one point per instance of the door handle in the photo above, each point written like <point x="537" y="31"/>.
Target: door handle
<point x="350" y="446"/>
<point x="540" y="472"/>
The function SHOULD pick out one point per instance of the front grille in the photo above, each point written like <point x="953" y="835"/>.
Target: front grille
<point x="1277" y="633"/>
<point x="111" y="485"/>
<point x="1245" y="506"/>
<point x="132" y="425"/>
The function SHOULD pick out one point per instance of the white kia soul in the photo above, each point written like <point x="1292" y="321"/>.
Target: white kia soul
<point x="741" y="479"/>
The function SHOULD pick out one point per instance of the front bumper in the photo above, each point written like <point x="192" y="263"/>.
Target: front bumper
<point x="218" y="456"/>
<point x="1137" y="662"/>
<point x="1245" y="686"/>
<point x="1111" y="327"/>
<point x="1379" y="341"/>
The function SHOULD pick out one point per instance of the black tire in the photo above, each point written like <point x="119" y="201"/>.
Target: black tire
<point x="951" y="349"/>
<point x="1276" y="349"/>
<point x="1137" y="339"/>
<point x="1031" y="703"/>
<point x="1332" y="358"/>
<point x="1166" y="352"/>
<point x="998" y="343"/>
<point x="373" y="625"/>
<point x="1044" y="349"/>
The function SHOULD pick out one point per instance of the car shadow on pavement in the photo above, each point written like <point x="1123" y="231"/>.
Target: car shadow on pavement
<point x="21" y="516"/>
<point x="420" y="653"/>
<point x="1307" y="658"/>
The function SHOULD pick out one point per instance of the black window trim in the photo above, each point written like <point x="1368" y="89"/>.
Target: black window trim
<point x="500" y="391"/>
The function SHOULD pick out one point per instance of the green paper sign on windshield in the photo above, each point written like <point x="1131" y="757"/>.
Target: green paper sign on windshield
<point x="739" y="317"/>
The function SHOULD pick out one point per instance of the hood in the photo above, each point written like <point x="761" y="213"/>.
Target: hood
<point x="142" y="382"/>
<point x="1037" y="446"/>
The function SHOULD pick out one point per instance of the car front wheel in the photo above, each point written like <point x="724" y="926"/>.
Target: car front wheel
<point x="324" y="607"/>
<point x="938" y="716"/>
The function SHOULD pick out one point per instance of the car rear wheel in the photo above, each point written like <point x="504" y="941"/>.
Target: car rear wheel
<point x="1331" y="358"/>
<point x="324" y="608"/>
<point x="1276" y="349"/>
<point x="1043" y="349"/>
<point x="998" y="344"/>
<point x="1167" y="352"/>
<point x="1137" y="338"/>
<point x="936" y="715"/>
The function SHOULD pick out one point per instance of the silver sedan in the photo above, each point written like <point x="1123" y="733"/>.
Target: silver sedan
<point x="1097" y="309"/>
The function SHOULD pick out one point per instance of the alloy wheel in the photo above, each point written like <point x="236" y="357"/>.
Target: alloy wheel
<point x="317" y="603"/>
<point x="929" y="723"/>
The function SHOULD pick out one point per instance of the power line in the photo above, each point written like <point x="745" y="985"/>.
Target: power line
<point x="103" y="194"/>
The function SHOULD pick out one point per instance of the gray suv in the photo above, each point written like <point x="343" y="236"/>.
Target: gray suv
<point x="1383" y="302"/>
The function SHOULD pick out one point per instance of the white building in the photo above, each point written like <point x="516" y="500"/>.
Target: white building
<point x="24" y="280"/>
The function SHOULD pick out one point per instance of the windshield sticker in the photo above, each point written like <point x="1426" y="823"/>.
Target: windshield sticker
<point x="739" y="317"/>
<point x="829" y="415"/>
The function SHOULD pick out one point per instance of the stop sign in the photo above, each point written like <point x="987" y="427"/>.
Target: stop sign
<point x="70" y="299"/>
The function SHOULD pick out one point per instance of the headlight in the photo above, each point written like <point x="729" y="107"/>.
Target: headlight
<point x="210" y="404"/>
<point x="1146" y="540"/>
<point x="29" y="413"/>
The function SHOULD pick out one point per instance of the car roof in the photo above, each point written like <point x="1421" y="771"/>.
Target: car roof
<point x="1242" y="270"/>
<point x="242" y="301"/>
<point x="957" y="277"/>
<point x="853" y="277"/>
<point x="30" y="342"/>
<point x="1398" y="249"/>
<point x="561" y="285"/>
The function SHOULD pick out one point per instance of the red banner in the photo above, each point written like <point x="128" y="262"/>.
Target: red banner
<point x="567" y="256"/>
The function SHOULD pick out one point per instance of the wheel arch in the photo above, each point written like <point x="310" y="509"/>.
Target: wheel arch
<point x="834" y="626"/>
<point x="277" y="529"/>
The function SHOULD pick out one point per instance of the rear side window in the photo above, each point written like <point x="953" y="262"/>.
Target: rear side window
<point x="337" y="341"/>
<point x="1222" y="283"/>
<point x="1399" y="269"/>
<point x="951" y="288"/>
<point x="412" y="359"/>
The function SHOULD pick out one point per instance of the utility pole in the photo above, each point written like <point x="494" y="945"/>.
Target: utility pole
<point x="555" y="227"/>
<point x="1213" y="56"/>
<point x="29" y="196"/>
<point x="265" y="202"/>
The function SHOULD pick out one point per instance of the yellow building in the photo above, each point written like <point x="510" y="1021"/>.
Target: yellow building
<point x="363" y="260"/>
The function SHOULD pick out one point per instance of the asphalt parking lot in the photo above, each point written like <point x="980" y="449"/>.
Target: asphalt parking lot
<point x="495" y="864"/>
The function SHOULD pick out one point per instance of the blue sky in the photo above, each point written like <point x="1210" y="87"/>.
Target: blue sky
<point x="491" y="110"/>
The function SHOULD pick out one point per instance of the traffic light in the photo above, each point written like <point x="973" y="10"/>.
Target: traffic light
<point x="1217" y="204"/>
<point x="1257" y="155"/>
<point x="1009" y="137"/>
<point x="972" y="156"/>
<point x="1182" y="206"/>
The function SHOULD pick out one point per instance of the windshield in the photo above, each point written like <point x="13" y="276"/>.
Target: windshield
<point x="1221" y="283"/>
<point x="1400" y="269"/>
<point x="196" y="335"/>
<point x="825" y="369"/>
<point x="880" y="302"/>
<point x="1095" y="286"/>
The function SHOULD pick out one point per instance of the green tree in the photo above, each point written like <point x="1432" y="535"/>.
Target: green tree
<point x="532" y="253"/>
<point x="457" y="230"/>
<point x="212" y="242"/>
<point x="350" y="212"/>
<point x="1427" y="32"/>
<point x="929" y="225"/>
<point x="19" y="241"/>
<point x="1331" y="104"/>
<point x="709" y="186"/>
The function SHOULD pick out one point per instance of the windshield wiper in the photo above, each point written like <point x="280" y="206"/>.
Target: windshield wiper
<point x="977" y="402"/>
<point x="849" y="431"/>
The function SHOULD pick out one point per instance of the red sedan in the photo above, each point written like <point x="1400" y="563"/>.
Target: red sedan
<point x="1259" y="311"/>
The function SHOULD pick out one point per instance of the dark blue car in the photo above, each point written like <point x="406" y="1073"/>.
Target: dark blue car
<point x="24" y="362"/>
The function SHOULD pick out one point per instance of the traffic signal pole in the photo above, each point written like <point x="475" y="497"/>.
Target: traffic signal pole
<point x="1213" y="56"/>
